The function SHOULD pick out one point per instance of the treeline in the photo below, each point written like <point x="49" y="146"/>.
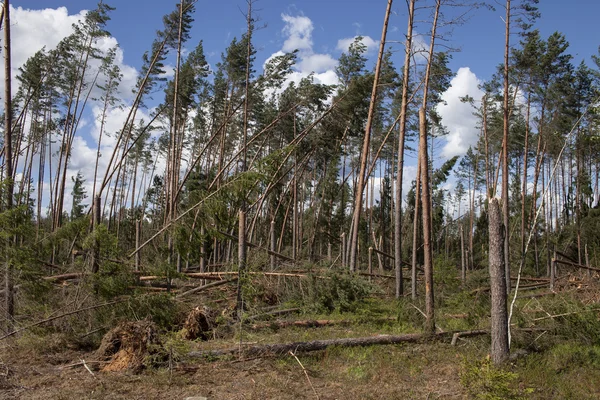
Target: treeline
<point x="310" y="172"/>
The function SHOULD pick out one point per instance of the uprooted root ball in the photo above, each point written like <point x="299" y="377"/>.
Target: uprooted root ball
<point x="199" y="323"/>
<point x="127" y="345"/>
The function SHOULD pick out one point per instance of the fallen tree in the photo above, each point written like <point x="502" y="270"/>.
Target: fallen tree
<point x="205" y="287"/>
<point x="316" y="345"/>
<point x="311" y="323"/>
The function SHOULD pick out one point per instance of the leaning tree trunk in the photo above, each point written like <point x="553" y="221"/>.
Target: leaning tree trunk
<point x="365" y="149"/>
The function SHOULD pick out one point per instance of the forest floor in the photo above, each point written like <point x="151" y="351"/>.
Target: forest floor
<point x="557" y="358"/>
<point x="382" y="372"/>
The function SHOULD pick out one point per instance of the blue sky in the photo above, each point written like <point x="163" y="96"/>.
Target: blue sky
<point x="321" y="29"/>
<point x="134" y="23"/>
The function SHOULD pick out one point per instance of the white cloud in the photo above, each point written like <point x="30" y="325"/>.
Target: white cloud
<point x="298" y="31"/>
<point x="130" y="74"/>
<point x="272" y="56"/>
<point x="458" y="116"/>
<point x="32" y="30"/>
<point x="344" y="44"/>
<point x="298" y="36"/>
<point x="420" y="47"/>
<point x="317" y="63"/>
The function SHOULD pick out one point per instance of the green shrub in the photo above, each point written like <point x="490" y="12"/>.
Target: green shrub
<point x="568" y="355"/>
<point x="338" y="291"/>
<point x="483" y="381"/>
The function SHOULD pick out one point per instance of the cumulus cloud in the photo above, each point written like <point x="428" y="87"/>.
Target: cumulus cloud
<point x="370" y="43"/>
<point x="299" y="33"/>
<point x="317" y="63"/>
<point x="32" y="30"/>
<point x="458" y="116"/>
<point x="129" y="73"/>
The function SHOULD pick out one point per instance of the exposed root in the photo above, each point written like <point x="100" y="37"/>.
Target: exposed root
<point x="199" y="323"/>
<point x="127" y="346"/>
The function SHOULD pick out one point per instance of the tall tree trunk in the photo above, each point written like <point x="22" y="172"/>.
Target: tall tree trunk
<point x="401" y="143"/>
<point x="579" y="169"/>
<point x="295" y="228"/>
<point x="427" y="239"/>
<point x="525" y="166"/>
<point x="9" y="304"/>
<point x="242" y="256"/>
<point x="425" y="189"/>
<point x="415" y="238"/>
<point x="463" y="274"/>
<point x="499" y="331"/>
<point x="365" y="150"/>
<point x="505" y="176"/>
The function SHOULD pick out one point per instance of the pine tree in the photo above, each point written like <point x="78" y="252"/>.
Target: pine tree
<point x="79" y="195"/>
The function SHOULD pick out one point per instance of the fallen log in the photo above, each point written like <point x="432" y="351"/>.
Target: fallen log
<point x="529" y="286"/>
<point x="205" y="287"/>
<point x="221" y="275"/>
<point x="151" y="289"/>
<point x="315" y="345"/>
<point x="381" y="276"/>
<point x="460" y="316"/>
<point x="312" y="323"/>
<point x="463" y="334"/>
<point x="254" y="245"/>
<point x="63" y="277"/>
<point x="572" y="264"/>
<point x="530" y="279"/>
<point x="272" y="313"/>
<point x="550" y="293"/>
<point x="61" y="316"/>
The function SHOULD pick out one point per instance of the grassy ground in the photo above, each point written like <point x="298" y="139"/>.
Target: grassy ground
<point x="556" y="344"/>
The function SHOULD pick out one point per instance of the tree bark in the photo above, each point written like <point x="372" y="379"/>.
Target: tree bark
<point x="316" y="345"/>
<point x="9" y="304"/>
<point x="273" y="244"/>
<point x="463" y="273"/>
<point x="415" y="238"/>
<point x="427" y="239"/>
<point x="499" y="331"/>
<point x="525" y="165"/>
<point x="505" y="176"/>
<point x="401" y="142"/>
<point x="365" y="150"/>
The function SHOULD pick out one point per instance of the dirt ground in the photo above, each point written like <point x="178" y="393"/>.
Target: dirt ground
<point x="382" y="372"/>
